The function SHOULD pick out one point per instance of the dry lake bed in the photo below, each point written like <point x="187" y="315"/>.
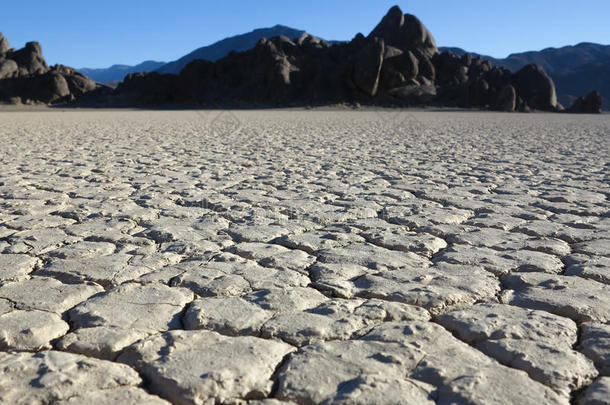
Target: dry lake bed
<point x="304" y="257"/>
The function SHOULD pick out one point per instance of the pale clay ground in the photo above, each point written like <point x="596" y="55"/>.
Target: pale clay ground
<point x="305" y="257"/>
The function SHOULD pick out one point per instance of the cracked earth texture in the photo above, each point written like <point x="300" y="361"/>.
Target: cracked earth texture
<point x="304" y="257"/>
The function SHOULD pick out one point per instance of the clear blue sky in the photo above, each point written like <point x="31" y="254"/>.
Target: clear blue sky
<point x="100" y="33"/>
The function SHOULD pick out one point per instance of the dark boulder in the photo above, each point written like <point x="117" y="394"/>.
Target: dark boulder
<point x="506" y="99"/>
<point x="405" y="32"/>
<point x="590" y="104"/>
<point x="536" y="88"/>
<point x="367" y="66"/>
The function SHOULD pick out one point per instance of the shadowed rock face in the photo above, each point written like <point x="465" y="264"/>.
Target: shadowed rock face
<point x="26" y="77"/>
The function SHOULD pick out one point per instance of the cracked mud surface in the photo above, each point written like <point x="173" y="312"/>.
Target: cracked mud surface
<point x="304" y="257"/>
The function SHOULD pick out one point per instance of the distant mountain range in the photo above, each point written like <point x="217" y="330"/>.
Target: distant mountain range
<point x="116" y="73"/>
<point x="576" y="70"/>
<point x="217" y="50"/>
<point x="220" y="49"/>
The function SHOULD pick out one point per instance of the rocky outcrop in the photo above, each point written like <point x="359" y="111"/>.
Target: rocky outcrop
<point x="397" y="64"/>
<point x="279" y="71"/>
<point x="23" y="62"/>
<point x="30" y="59"/>
<point x="26" y="77"/>
<point x="591" y="104"/>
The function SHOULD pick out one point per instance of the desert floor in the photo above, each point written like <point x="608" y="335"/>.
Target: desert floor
<point x="344" y="257"/>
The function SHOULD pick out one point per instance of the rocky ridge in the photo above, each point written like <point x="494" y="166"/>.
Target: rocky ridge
<point x="26" y="78"/>
<point x="397" y="64"/>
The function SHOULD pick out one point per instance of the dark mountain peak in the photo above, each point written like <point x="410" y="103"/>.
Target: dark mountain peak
<point x="237" y="43"/>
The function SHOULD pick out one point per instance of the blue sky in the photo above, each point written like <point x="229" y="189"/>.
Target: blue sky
<point x="101" y="33"/>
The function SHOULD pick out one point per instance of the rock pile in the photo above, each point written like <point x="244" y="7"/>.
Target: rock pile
<point x="25" y="77"/>
<point x="398" y="63"/>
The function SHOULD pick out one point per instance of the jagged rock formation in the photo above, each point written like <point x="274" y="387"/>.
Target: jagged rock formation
<point x="25" y="77"/>
<point x="398" y="63"/>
